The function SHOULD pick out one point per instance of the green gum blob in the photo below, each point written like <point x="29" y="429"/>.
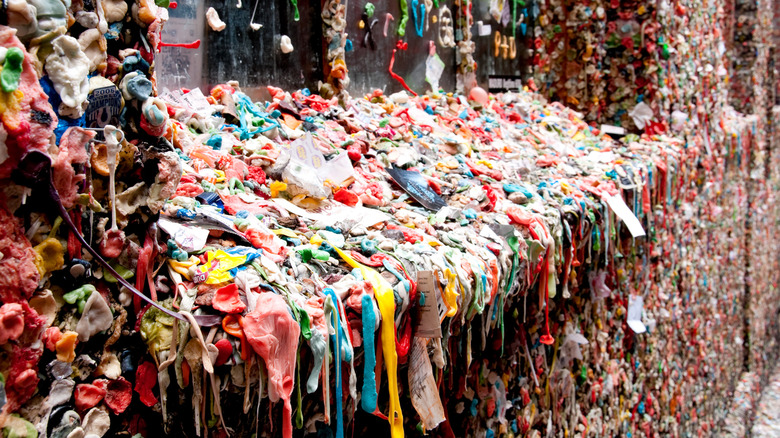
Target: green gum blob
<point x="79" y="296"/>
<point x="18" y="427"/>
<point x="12" y="70"/>
<point x="157" y="329"/>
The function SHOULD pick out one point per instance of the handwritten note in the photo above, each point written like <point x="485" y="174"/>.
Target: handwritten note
<point x="428" y="325"/>
<point x="425" y="395"/>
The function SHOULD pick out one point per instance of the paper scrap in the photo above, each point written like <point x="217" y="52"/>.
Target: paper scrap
<point x="331" y="214"/>
<point x="618" y="205"/>
<point x="434" y="67"/>
<point x="634" y="319"/>
<point x="428" y="325"/>
<point x="194" y="101"/>
<point x="304" y="151"/>
<point x="601" y="157"/>
<point x="641" y="114"/>
<point x="425" y="395"/>
<point x="613" y="130"/>
<point x="188" y="238"/>
<point x="483" y="29"/>
<point x="217" y="217"/>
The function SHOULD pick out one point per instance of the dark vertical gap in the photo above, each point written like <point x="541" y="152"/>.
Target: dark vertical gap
<point x="314" y="71"/>
<point x="770" y="74"/>
<point x="746" y="296"/>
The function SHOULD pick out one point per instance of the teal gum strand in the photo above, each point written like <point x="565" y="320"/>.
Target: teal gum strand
<point x="369" y="397"/>
<point x="389" y="266"/>
<point x="336" y="340"/>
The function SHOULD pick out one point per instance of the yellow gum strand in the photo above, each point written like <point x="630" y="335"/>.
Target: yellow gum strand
<point x="183" y="267"/>
<point x="10" y="107"/>
<point x="285" y="232"/>
<point x="384" y="298"/>
<point x="451" y="293"/>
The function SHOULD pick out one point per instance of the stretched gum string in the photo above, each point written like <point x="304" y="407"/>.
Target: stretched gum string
<point x="104" y="264"/>
<point x="45" y="178"/>
<point x="546" y="339"/>
<point x="112" y="149"/>
<point x="384" y="297"/>
<point x="326" y="365"/>
<point x="193" y="45"/>
<point x="404" y="4"/>
<point x="396" y="77"/>
<point x="378" y="377"/>
<point x="419" y="21"/>
<point x="296" y="14"/>
<point x="336" y="339"/>
<point x="388" y="17"/>
<point x="369" y="36"/>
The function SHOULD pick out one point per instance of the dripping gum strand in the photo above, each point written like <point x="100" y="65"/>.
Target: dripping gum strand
<point x="386" y="302"/>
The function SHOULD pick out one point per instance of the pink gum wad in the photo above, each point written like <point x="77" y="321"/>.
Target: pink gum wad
<point x="273" y="334"/>
<point x="18" y="274"/>
<point x="29" y="122"/>
<point x="73" y="150"/>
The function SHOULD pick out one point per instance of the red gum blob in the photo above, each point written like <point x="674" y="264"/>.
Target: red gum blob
<point x="119" y="394"/>
<point x="88" y="396"/>
<point x="112" y="243"/>
<point x="145" y="379"/>
<point x="256" y="174"/>
<point x="18" y="274"/>
<point x="22" y="378"/>
<point x="266" y="241"/>
<point x="50" y="338"/>
<point x="189" y="190"/>
<point x="225" y="350"/>
<point x="346" y="197"/>
<point x="354" y="152"/>
<point x="11" y="322"/>
<point x="226" y="300"/>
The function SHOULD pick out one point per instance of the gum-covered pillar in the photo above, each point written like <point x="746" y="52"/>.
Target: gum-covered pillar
<point x="334" y="25"/>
